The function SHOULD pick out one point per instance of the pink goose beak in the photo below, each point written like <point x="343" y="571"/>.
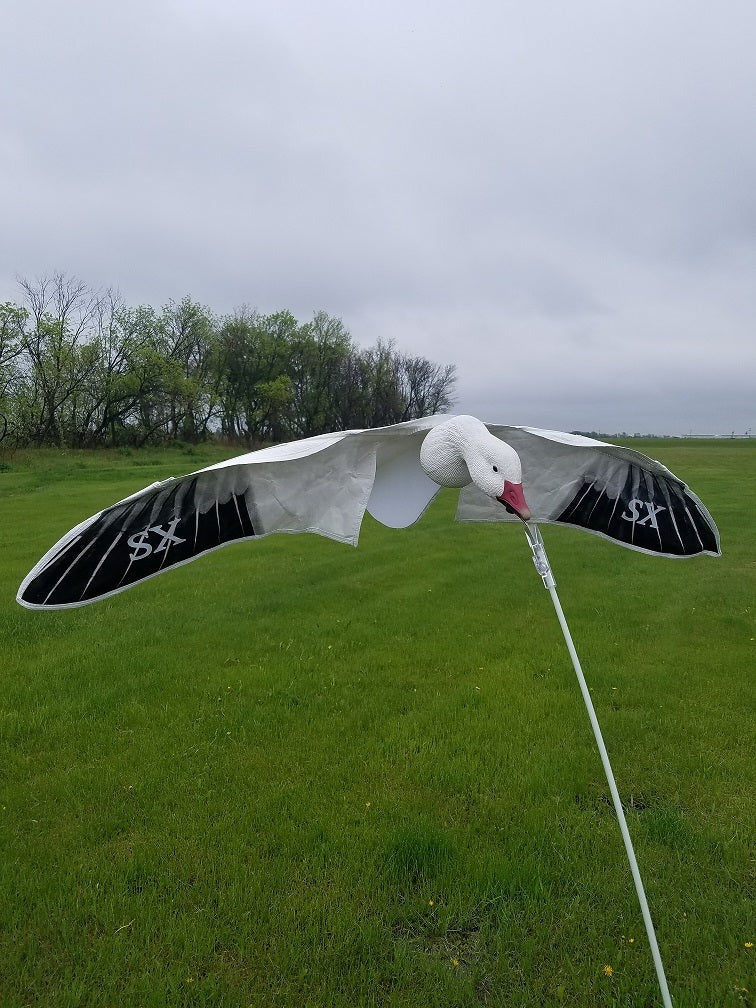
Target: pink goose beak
<point x="513" y="500"/>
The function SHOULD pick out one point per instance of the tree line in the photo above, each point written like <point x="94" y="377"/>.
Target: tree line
<point x="80" y="368"/>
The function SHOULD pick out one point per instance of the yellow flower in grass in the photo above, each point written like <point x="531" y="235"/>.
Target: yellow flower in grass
<point x="608" y="970"/>
<point x="455" y="962"/>
<point x="748" y="944"/>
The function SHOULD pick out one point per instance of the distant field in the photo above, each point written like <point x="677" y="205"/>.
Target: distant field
<point x="297" y="775"/>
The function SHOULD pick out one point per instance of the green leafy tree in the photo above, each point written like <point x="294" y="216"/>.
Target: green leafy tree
<point x="63" y="315"/>
<point x="12" y="331"/>
<point x="317" y="354"/>
<point x="187" y="334"/>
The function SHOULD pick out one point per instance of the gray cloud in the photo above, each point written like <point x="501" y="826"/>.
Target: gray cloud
<point x="558" y="198"/>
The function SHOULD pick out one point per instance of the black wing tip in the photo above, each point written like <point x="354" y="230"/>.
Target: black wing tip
<point x="649" y="513"/>
<point x="108" y="560"/>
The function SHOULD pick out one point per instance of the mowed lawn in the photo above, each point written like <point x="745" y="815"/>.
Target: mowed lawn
<point x="298" y="775"/>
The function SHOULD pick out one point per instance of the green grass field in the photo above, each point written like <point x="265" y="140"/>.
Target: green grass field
<point x="298" y="775"/>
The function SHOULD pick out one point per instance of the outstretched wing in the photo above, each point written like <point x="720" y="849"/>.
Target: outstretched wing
<point x="322" y="488"/>
<point x="614" y="492"/>
<point x="321" y="484"/>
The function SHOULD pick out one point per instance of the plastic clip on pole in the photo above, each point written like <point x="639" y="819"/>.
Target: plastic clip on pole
<point x="542" y="565"/>
<point x="540" y="560"/>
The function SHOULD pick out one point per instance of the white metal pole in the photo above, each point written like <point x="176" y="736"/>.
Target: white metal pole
<point x="543" y="567"/>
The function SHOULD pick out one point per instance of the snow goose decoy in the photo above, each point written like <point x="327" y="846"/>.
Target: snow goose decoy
<point x="324" y="484"/>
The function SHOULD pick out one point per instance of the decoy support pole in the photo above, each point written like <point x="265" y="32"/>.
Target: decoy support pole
<point x="543" y="567"/>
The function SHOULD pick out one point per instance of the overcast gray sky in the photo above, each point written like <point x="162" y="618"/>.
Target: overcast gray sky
<point x="558" y="197"/>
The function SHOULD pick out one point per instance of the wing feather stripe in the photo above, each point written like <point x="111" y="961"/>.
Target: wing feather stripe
<point x="104" y="557"/>
<point x="611" y="516"/>
<point x="576" y="504"/>
<point x="238" y="512"/>
<point x="596" y="502"/>
<point x="69" y="569"/>
<point x="61" y="552"/>
<point x="656" y="485"/>
<point x="693" y="525"/>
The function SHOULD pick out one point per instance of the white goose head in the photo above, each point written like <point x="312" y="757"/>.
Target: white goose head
<point x="462" y="451"/>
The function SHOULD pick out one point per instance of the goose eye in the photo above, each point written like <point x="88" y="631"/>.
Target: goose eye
<point x="496" y="468"/>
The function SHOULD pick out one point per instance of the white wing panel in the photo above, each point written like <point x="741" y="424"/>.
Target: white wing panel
<point x="401" y="491"/>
